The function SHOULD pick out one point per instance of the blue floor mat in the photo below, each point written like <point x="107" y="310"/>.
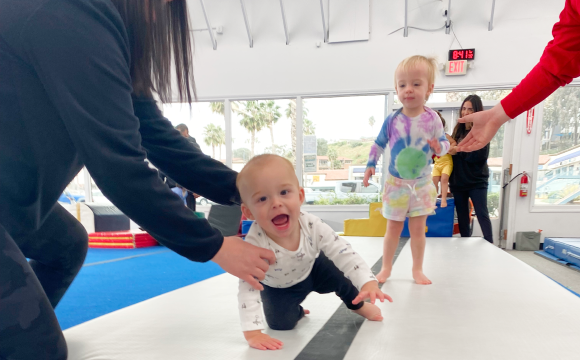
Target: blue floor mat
<point x="106" y="287"/>
<point x="98" y="255"/>
<point x="557" y="260"/>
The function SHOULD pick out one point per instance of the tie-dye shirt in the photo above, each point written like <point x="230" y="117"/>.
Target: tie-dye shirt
<point x="407" y="138"/>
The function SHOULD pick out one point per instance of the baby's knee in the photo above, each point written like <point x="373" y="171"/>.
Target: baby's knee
<point x="282" y="325"/>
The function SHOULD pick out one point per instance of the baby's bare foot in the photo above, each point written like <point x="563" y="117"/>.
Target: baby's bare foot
<point x="383" y="275"/>
<point x="443" y="203"/>
<point x="370" y="311"/>
<point x="420" y="278"/>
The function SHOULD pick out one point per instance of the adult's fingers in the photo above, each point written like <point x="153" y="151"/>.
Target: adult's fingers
<point x="268" y="255"/>
<point x="258" y="274"/>
<point x="253" y="282"/>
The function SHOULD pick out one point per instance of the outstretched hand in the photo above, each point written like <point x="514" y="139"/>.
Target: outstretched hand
<point x="485" y="126"/>
<point x="245" y="261"/>
<point x="368" y="173"/>
<point x="371" y="291"/>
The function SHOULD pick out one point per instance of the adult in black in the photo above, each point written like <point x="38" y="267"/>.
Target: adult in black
<point x="184" y="130"/>
<point x="470" y="176"/>
<point x="76" y="89"/>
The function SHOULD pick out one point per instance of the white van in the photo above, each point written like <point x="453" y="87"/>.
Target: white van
<point x="341" y="189"/>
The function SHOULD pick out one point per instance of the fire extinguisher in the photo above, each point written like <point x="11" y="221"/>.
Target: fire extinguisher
<point x="524" y="185"/>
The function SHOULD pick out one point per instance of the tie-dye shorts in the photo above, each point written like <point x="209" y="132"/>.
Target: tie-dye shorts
<point x="408" y="198"/>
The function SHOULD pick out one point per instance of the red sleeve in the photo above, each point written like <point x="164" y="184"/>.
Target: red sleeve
<point x="558" y="66"/>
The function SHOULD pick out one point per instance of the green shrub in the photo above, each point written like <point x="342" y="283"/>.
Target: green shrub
<point x="350" y="199"/>
<point x="493" y="203"/>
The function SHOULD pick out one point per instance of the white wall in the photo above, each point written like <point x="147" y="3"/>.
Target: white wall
<point x="273" y="69"/>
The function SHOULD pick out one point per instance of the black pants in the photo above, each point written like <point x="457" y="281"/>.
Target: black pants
<point x="479" y="199"/>
<point x="190" y="201"/>
<point x="282" y="306"/>
<point x="30" y="290"/>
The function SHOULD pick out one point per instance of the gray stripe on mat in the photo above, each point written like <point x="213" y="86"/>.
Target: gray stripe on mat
<point x="334" y="339"/>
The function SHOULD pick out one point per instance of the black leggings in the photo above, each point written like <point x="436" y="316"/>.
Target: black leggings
<point x="30" y="290"/>
<point x="282" y="306"/>
<point x="479" y="199"/>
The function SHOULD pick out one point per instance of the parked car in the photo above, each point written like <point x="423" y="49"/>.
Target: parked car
<point x="203" y="201"/>
<point x="341" y="189"/>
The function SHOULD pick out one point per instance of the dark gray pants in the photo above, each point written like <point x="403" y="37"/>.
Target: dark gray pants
<point x="282" y="306"/>
<point x="29" y="291"/>
<point x="479" y="199"/>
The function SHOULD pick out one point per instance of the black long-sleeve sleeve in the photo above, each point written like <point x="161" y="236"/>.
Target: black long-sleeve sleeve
<point x="73" y="58"/>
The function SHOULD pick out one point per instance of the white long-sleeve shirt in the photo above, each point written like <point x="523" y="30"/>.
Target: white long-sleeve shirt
<point x="292" y="267"/>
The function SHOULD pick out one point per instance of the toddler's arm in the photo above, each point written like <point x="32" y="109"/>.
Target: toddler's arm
<point x="378" y="148"/>
<point x="340" y="252"/>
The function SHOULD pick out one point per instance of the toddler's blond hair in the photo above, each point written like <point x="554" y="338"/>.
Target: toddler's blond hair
<point x="417" y="60"/>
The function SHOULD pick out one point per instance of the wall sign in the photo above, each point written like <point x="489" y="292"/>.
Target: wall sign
<point x="310" y="163"/>
<point x="461" y="54"/>
<point x="530" y="119"/>
<point x="458" y="67"/>
<point x="309" y="142"/>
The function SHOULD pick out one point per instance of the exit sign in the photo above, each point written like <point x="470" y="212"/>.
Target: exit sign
<point x="458" y="67"/>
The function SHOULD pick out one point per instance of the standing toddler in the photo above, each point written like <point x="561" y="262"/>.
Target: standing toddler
<point x="413" y="133"/>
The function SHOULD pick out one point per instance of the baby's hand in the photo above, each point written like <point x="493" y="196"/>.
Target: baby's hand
<point x="371" y="291"/>
<point x="261" y="341"/>
<point x="368" y="173"/>
<point x="434" y="143"/>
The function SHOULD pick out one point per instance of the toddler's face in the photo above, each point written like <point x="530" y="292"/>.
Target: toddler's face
<point x="413" y="87"/>
<point x="271" y="196"/>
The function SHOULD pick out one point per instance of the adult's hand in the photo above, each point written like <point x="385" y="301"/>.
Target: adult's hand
<point x="485" y="126"/>
<point x="452" y="150"/>
<point x="245" y="261"/>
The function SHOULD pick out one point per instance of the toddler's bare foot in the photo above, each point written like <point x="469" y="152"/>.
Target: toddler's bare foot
<point x="443" y="203"/>
<point x="420" y="278"/>
<point x="383" y="275"/>
<point x="370" y="312"/>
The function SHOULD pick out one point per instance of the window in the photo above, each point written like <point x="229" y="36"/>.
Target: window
<point x="348" y="187"/>
<point x="205" y="123"/>
<point x="345" y="128"/>
<point x="558" y="180"/>
<point x="263" y="127"/>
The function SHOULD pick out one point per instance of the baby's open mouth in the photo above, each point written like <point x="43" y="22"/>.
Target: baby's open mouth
<point x="281" y="221"/>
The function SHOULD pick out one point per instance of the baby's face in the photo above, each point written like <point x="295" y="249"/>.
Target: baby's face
<point x="271" y="196"/>
<point x="413" y="87"/>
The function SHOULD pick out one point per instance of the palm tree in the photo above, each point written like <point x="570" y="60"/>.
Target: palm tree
<point x="219" y="108"/>
<point x="252" y="120"/>
<point x="271" y="115"/>
<point x="212" y="136"/>
<point x="372" y="122"/>
<point x="291" y="114"/>
<point x="221" y="137"/>
<point x="308" y="127"/>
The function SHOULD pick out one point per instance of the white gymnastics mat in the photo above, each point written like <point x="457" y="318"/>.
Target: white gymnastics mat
<point x="483" y="304"/>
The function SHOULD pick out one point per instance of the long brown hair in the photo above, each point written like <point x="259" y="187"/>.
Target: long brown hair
<point x="460" y="131"/>
<point x="158" y="33"/>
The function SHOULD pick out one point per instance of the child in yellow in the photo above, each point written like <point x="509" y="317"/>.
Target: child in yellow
<point x="442" y="168"/>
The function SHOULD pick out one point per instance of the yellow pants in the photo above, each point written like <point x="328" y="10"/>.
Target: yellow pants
<point x="443" y="165"/>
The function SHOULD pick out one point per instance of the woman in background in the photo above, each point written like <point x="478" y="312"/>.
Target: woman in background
<point x="470" y="176"/>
